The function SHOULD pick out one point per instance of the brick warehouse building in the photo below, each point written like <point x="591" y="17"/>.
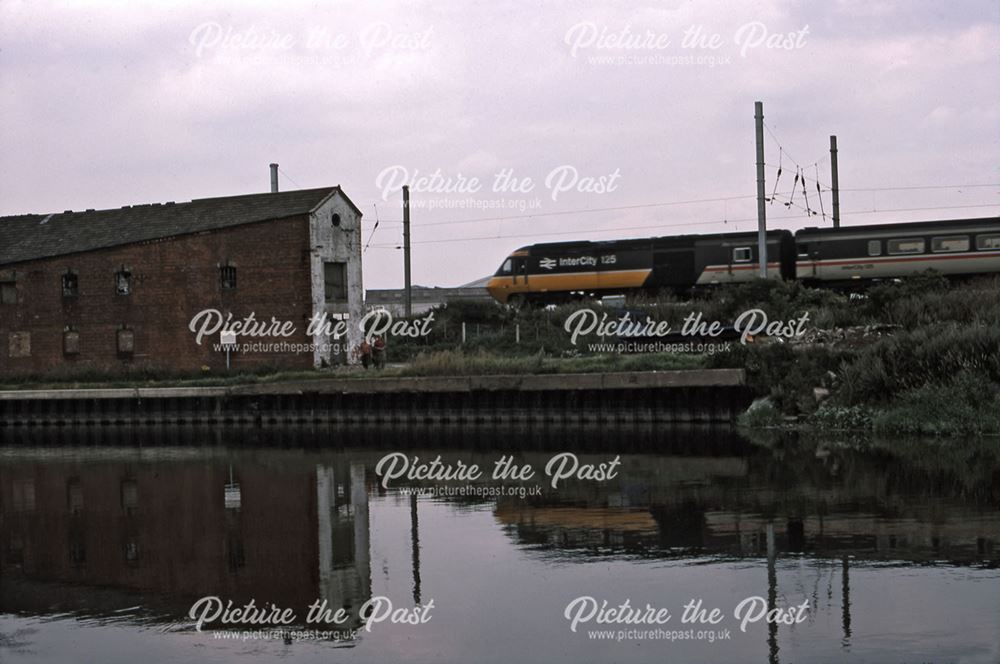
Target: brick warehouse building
<point x="113" y="290"/>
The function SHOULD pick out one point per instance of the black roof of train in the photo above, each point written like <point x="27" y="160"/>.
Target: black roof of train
<point x="669" y="238"/>
<point x="812" y="230"/>
<point x="901" y="226"/>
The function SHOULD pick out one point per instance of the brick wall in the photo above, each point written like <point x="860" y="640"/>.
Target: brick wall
<point x="172" y="280"/>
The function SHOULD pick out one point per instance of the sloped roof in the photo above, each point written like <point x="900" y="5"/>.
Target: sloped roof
<point x="32" y="236"/>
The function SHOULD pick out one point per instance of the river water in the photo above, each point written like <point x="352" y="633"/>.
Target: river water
<point x="874" y="551"/>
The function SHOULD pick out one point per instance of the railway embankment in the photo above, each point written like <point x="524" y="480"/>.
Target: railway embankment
<point x="919" y="357"/>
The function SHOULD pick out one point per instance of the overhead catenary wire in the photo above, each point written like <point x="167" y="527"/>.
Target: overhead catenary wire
<point x="824" y="187"/>
<point x="784" y="220"/>
<point x="820" y="193"/>
<point x="777" y="178"/>
<point x="374" y="228"/>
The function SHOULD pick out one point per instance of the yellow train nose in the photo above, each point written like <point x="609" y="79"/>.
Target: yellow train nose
<point x="498" y="289"/>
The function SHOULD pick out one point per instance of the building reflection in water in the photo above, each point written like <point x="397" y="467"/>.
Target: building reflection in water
<point x="344" y="547"/>
<point x="85" y="533"/>
<point x="90" y="537"/>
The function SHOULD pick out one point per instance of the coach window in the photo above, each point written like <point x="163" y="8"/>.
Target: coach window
<point x="742" y="255"/>
<point x="953" y="243"/>
<point x="914" y="246"/>
<point x="803" y="250"/>
<point x="987" y="242"/>
<point x="874" y="247"/>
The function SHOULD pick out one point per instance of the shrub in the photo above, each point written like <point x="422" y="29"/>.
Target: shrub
<point x="786" y="374"/>
<point x="966" y="405"/>
<point x="842" y="418"/>
<point x="910" y="359"/>
<point x="762" y="414"/>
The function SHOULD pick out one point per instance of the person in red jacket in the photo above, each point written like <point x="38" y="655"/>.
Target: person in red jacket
<point x="378" y="351"/>
<point x="365" y="353"/>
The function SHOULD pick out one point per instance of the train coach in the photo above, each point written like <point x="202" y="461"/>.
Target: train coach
<point x="839" y="256"/>
<point x="562" y="271"/>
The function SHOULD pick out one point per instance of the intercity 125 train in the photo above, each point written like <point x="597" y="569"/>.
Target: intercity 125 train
<point x="561" y="271"/>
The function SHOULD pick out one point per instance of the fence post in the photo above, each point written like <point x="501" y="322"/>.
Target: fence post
<point x="463" y="331"/>
<point x="517" y="333"/>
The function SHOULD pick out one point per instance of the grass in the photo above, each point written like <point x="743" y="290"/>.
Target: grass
<point x="149" y="379"/>
<point x="438" y="363"/>
<point x="461" y="363"/>
<point x="967" y="405"/>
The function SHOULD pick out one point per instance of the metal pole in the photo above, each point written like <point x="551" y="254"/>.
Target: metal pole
<point x="415" y="547"/>
<point x="406" y="250"/>
<point x="845" y="590"/>
<point x="761" y="209"/>
<point x="835" y="181"/>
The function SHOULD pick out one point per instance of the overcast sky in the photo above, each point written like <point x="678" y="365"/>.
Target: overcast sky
<point x="606" y="109"/>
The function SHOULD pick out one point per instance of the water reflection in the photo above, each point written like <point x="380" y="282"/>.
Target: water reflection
<point x="134" y="526"/>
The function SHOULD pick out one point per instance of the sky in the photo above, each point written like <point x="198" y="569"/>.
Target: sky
<point x="513" y="123"/>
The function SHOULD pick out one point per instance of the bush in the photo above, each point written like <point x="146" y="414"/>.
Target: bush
<point x="782" y="372"/>
<point x="966" y="405"/>
<point x="842" y="418"/>
<point x="762" y="414"/>
<point x="910" y="359"/>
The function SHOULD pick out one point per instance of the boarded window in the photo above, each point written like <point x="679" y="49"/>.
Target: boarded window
<point x="71" y="342"/>
<point x="985" y="242"/>
<point x="74" y="495"/>
<point x="227" y="277"/>
<point x="19" y="344"/>
<point x="130" y="495"/>
<point x="910" y="246"/>
<point x="23" y="495"/>
<point x="335" y="278"/>
<point x="953" y="243"/>
<point x="15" y="550"/>
<point x="126" y="342"/>
<point x="742" y="254"/>
<point x="70" y="285"/>
<point x="123" y="282"/>
<point x="8" y="292"/>
<point x="131" y="551"/>
<point x="77" y="549"/>
<point x="236" y="554"/>
<point x="874" y="247"/>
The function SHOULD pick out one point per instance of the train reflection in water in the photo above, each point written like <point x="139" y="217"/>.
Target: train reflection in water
<point x="94" y="530"/>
